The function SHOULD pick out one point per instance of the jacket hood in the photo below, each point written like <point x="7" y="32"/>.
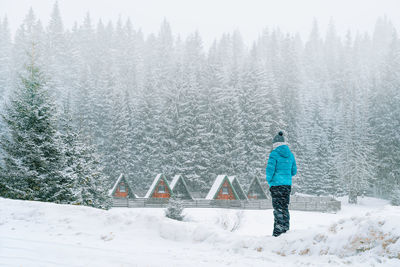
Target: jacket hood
<point x="283" y="151"/>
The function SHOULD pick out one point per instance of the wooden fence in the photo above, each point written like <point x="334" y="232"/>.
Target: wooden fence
<point x="321" y="204"/>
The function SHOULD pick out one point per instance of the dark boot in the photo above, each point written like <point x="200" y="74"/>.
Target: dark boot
<point x="280" y="202"/>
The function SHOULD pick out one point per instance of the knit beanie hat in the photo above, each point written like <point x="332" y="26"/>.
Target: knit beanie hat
<point x="279" y="138"/>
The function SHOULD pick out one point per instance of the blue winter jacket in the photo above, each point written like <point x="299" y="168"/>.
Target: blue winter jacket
<point x="281" y="166"/>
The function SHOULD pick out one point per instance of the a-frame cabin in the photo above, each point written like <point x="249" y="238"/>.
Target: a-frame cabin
<point x="256" y="190"/>
<point x="222" y="189"/>
<point x="179" y="188"/>
<point x="238" y="188"/>
<point x="159" y="188"/>
<point x="122" y="189"/>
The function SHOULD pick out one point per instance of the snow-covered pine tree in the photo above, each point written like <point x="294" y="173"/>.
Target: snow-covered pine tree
<point x="57" y="56"/>
<point x="5" y="58"/>
<point x="289" y="79"/>
<point x="257" y="117"/>
<point x="118" y="157"/>
<point x="128" y="111"/>
<point x="147" y="136"/>
<point x="333" y="54"/>
<point x="101" y="74"/>
<point x="167" y="85"/>
<point x="333" y="183"/>
<point x="192" y="113"/>
<point x="30" y="31"/>
<point x="356" y="158"/>
<point x="223" y="108"/>
<point x="227" y="146"/>
<point x="386" y="122"/>
<point x="315" y="175"/>
<point x="210" y="105"/>
<point x="82" y="167"/>
<point x="92" y="184"/>
<point x="91" y="187"/>
<point x="33" y="158"/>
<point x="5" y="69"/>
<point x="182" y="131"/>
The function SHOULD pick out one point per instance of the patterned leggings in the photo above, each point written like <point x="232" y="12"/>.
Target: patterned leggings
<point x="280" y="202"/>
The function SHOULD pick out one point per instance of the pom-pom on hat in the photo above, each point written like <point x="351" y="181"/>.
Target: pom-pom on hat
<point x="279" y="138"/>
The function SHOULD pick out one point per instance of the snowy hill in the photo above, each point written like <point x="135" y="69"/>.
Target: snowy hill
<point x="45" y="234"/>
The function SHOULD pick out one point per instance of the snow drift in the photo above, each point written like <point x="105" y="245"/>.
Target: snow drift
<point x="45" y="234"/>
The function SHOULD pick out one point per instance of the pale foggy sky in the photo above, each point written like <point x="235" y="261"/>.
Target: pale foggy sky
<point x="214" y="17"/>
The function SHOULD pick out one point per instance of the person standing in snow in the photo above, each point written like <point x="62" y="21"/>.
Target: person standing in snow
<point x="280" y="169"/>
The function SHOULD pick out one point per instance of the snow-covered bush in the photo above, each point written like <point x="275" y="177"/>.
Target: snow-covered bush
<point x="174" y="209"/>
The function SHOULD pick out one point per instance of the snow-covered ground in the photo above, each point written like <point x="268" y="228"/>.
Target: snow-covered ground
<point x="45" y="234"/>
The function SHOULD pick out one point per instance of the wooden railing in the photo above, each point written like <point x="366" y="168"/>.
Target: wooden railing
<point x="321" y="204"/>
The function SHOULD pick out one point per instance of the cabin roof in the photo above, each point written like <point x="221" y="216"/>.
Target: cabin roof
<point x="120" y="178"/>
<point x="154" y="184"/>
<point x="232" y="180"/>
<point x="217" y="185"/>
<point x="257" y="182"/>
<point x="175" y="181"/>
